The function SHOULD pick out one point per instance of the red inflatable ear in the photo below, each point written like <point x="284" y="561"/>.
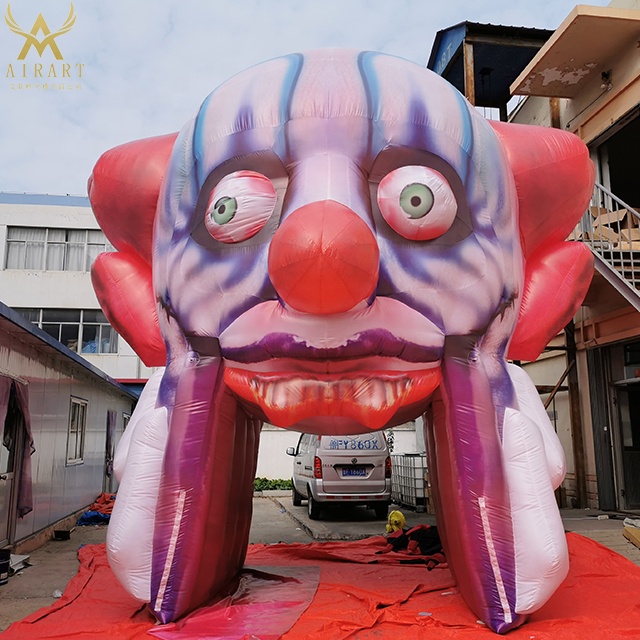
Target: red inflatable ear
<point x="554" y="180"/>
<point x="124" y="188"/>
<point x="122" y="282"/>
<point x="557" y="281"/>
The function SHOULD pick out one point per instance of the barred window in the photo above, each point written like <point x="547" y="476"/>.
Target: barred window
<point x="81" y="330"/>
<point x="76" y="431"/>
<point x="54" y="249"/>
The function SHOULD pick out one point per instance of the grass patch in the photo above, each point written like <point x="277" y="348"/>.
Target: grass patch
<point x="264" y="484"/>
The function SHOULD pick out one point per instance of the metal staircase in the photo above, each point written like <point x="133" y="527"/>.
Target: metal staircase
<point x="611" y="228"/>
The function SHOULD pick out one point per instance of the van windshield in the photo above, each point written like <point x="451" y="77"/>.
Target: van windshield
<point x="364" y="442"/>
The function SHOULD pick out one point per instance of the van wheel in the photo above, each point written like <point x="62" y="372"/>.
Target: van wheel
<point x="296" y="498"/>
<point x="313" y="508"/>
<point x="382" y="510"/>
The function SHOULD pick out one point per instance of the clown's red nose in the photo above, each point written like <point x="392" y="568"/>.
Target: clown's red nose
<point x="324" y="259"/>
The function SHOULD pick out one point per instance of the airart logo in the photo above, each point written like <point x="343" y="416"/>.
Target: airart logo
<point x="49" y="70"/>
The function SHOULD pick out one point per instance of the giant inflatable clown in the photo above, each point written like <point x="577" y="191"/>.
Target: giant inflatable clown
<point x="339" y="242"/>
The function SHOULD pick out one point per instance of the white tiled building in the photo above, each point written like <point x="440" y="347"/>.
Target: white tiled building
<point x="47" y="245"/>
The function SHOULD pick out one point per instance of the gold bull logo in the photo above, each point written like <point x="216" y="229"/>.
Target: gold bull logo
<point x="40" y="27"/>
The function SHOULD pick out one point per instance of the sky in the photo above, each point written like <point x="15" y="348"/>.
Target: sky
<point x="142" y="68"/>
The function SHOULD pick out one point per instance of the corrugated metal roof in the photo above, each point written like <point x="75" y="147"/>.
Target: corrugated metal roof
<point x="500" y="54"/>
<point x="14" y="324"/>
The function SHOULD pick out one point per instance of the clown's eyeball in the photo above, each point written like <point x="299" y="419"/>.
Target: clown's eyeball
<point x="239" y="206"/>
<point x="417" y="202"/>
<point x="224" y="210"/>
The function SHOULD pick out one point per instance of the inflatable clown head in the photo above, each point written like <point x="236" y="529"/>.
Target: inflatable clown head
<point x="338" y="242"/>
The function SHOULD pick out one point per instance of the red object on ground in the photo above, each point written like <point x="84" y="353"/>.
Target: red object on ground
<point x="599" y="599"/>
<point x="104" y="503"/>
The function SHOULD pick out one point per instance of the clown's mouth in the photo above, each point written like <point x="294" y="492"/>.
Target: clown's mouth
<point x="370" y="398"/>
<point x="348" y="370"/>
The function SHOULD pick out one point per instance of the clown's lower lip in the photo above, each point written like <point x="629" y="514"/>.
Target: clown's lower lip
<point x="370" y="398"/>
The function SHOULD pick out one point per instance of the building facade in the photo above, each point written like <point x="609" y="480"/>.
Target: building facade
<point x="60" y="420"/>
<point x="585" y="78"/>
<point x="594" y="92"/>
<point x="47" y="246"/>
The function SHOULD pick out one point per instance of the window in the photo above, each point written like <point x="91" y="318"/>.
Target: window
<point x="632" y="360"/>
<point x="77" y="428"/>
<point x="81" y="330"/>
<point x="96" y="334"/>
<point x="54" y="249"/>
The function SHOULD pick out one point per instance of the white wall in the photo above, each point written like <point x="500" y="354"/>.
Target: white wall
<point x="547" y="370"/>
<point x="273" y="462"/>
<point x="47" y="289"/>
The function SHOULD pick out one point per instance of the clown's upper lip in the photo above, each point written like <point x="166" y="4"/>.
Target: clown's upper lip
<point x="387" y="328"/>
<point x="375" y="341"/>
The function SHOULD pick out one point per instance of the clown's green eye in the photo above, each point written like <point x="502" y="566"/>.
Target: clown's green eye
<point x="239" y="206"/>
<point x="224" y="210"/>
<point x="416" y="200"/>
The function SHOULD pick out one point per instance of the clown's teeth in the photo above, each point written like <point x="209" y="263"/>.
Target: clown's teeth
<point x="370" y="399"/>
<point x="379" y="394"/>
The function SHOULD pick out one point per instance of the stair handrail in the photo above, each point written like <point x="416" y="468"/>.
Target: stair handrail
<point x="611" y="228"/>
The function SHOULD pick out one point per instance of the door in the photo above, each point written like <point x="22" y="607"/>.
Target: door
<point x="109" y="451"/>
<point x="10" y="456"/>
<point x="303" y="463"/>
<point x="627" y="399"/>
<point x="7" y="474"/>
<point x="354" y="464"/>
<point x="616" y="159"/>
<point x="602" y="419"/>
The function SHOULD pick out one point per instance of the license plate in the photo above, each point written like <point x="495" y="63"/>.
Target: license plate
<point x="353" y="471"/>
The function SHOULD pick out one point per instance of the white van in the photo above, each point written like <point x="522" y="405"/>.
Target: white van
<point x="352" y="469"/>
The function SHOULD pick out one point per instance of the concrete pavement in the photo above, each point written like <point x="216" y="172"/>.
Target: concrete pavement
<point x="603" y="527"/>
<point x="344" y="522"/>
<point x="275" y="519"/>
<point x="350" y="524"/>
<point x="353" y="523"/>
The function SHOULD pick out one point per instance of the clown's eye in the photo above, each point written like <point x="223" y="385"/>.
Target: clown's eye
<point x="224" y="210"/>
<point x="417" y="202"/>
<point x="239" y="206"/>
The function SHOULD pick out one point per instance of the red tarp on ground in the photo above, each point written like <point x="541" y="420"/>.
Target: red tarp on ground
<point x="104" y="503"/>
<point x="600" y="599"/>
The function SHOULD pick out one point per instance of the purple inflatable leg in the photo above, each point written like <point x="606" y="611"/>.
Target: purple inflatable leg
<point x="470" y="490"/>
<point x="204" y="507"/>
